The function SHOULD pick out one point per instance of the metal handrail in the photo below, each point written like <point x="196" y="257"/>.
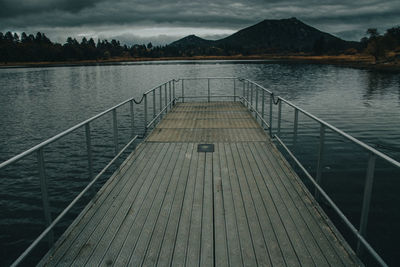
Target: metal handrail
<point x="50" y="224"/>
<point x="247" y="98"/>
<point x="69" y="207"/>
<point x="248" y="95"/>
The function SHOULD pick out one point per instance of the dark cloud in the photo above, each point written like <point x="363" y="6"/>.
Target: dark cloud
<point x="346" y="19"/>
<point x="17" y="8"/>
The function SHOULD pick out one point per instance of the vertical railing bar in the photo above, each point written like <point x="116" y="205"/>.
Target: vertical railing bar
<point x="160" y="98"/>
<point x="234" y="89"/>
<point x="251" y="95"/>
<point x="208" y="86"/>
<point x="256" y="101"/>
<point x="366" y="200"/>
<point x="145" y="112"/>
<point x="183" y="91"/>
<point x="154" y="103"/>
<point x="279" y="117"/>
<point x="248" y="93"/>
<point x="270" y="114"/>
<point x="244" y="89"/>
<point x="170" y="94"/>
<point x="263" y="105"/>
<point x="115" y="128"/>
<point x="89" y="150"/>
<point x="45" y="194"/>
<point x="173" y="90"/>
<point x="295" y="125"/>
<point x="318" y="176"/>
<point x="165" y="98"/>
<point x="132" y="119"/>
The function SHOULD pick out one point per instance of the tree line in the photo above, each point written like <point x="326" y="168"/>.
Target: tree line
<point x="37" y="48"/>
<point x="382" y="46"/>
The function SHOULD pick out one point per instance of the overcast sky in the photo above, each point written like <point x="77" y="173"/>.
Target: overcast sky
<point x="161" y="22"/>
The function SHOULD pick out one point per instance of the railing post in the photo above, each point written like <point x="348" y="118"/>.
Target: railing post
<point x="248" y="93"/>
<point x="244" y="89"/>
<point x="45" y="195"/>
<point x="170" y="95"/>
<point x="183" y="91"/>
<point x="251" y="96"/>
<point x="208" y="85"/>
<point x="256" y="101"/>
<point x="145" y="111"/>
<point x="132" y="119"/>
<point x="270" y="114"/>
<point x="173" y="90"/>
<point x="366" y="200"/>
<point x="279" y="116"/>
<point x="89" y="150"/>
<point x="263" y="105"/>
<point x="154" y="103"/>
<point x="115" y="128"/>
<point x="165" y="98"/>
<point x="160" y="98"/>
<point x="295" y="125"/>
<point x="320" y="157"/>
<point x="234" y="89"/>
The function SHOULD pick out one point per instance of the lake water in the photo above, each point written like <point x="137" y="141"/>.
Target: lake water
<point x="37" y="103"/>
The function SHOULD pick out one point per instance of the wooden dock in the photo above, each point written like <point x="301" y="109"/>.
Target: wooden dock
<point x="168" y="204"/>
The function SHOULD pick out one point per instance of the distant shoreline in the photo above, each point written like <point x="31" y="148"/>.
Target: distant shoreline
<point x="356" y="61"/>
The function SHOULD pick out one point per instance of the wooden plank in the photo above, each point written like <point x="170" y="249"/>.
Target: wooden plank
<point x="220" y="239"/>
<point x="181" y="243"/>
<point x="72" y="242"/>
<point x="302" y="249"/>
<point x="173" y="188"/>
<point x="135" y="214"/>
<point x="193" y="250"/>
<point x="201" y="123"/>
<point x="232" y="234"/>
<point x="207" y="233"/>
<point x="103" y="254"/>
<point x="203" y="135"/>
<point x="257" y="237"/>
<point x="246" y="242"/>
<point x="168" y="242"/>
<point x="174" y="115"/>
<point x="271" y="240"/>
<point x="108" y="229"/>
<point x="307" y="209"/>
<point x="142" y="209"/>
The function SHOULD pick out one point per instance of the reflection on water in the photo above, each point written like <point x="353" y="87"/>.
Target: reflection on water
<point x="37" y="103"/>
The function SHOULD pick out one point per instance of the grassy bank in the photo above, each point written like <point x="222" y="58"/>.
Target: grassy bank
<point x="357" y="61"/>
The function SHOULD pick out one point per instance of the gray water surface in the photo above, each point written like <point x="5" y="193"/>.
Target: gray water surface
<point x="37" y="103"/>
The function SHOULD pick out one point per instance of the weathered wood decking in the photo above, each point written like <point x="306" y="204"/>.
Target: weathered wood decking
<point x="171" y="205"/>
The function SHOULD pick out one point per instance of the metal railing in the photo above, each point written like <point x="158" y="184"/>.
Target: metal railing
<point x="250" y="98"/>
<point x="260" y="101"/>
<point x="166" y="100"/>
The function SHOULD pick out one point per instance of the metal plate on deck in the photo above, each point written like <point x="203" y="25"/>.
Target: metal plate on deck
<point x="205" y="148"/>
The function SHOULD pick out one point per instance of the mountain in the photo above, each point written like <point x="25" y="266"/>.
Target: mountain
<point x="273" y="36"/>
<point x="192" y="40"/>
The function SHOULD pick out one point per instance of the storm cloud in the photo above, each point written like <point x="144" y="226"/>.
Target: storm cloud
<point x="163" y="21"/>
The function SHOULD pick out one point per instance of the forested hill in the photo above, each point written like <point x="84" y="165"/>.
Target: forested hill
<point x="271" y="36"/>
<point x="283" y="37"/>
